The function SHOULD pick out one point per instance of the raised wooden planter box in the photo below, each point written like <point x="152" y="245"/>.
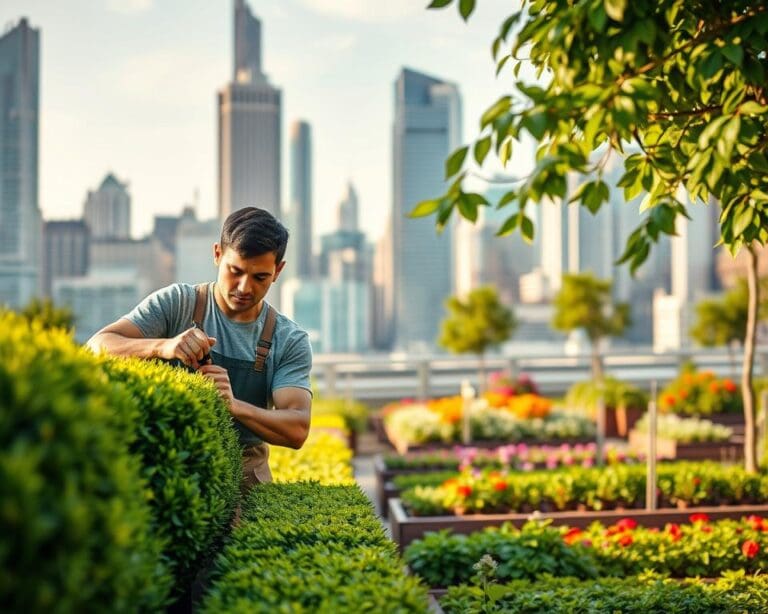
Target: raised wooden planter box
<point x="385" y="489"/>
<point x="407" y="528"/>
<point x="723" y="451"/>
<point x="619" y="421"/>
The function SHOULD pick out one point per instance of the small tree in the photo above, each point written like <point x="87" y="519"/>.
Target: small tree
<point x="476" y="324"/>
<point x="585" y="302"/>
<point x="48" y="314"/>
<point x="723" y="321"/>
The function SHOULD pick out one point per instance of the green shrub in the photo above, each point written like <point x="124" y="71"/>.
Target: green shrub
<point x="700" y="393"/>
<point x="75" y="524"/>
<point x="647" y="594"/>
<point x="615" y="393"/>
<point x="190" y="455"/>
<point x="311" y="548"/>
<point x="443" y="559"/>
<point x="355" y="413"/>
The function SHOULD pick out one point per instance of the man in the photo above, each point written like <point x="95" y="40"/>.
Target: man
<point x="230" y="334"/>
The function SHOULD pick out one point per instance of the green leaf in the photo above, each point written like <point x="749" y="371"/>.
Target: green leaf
<point x="502" y="105"/>
<point x="454" y="162"/>
<point x="752" y="107"/>
<point x="467" y="208"/>
<point x="615" y="9"/>
<point x="477" y="199"/>
<point x="508" y="226"/>
<point x="501" y="63"/>
<point x="597" y="18"/>
<point x="734" y="53"/>
<point x="425" y="207"/>
<point x="466" y="7"/>
<point x="526" y="229"/>
<point x="438" y="4"/>
<point x="536" y="124"/>
<point x="742" y="219"/>
<point x="506" y="199"/>
<point x="482" y="147"/>
<point x="505" y="152"/>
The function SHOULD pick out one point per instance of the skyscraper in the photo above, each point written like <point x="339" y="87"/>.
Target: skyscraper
<point x="107" y="210"/>
<point x="299" y="215"/>
<point x="20" y="219"/>
<point x="427" y="128"/>
<point x="249" y="110"/>
<point x="66" y="251"/>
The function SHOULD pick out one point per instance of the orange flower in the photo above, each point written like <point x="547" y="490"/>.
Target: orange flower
<point x="464" y="490"/>
<point x="694" y="518"/>
<point x="682" y="394"/>
<point x="499" y="485"/>
<point x="714" y="386"/>
<point x="572" y="535"/>
<point x="668" y="400"/>
<point x="729" y="385"/>
<point x="750" y="549"/>
<point x="756" y="523"/>
<point x="625" y="540"/>
<point x="675" y="533"/>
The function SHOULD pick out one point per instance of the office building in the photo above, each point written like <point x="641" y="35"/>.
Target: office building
<point x="107" y="210"/>
<point x="20" y="219"/>
<point x="298" y="217"/>
<point x="426" y="129"/>
<point x="194" y="249"/>
<point x="66" y="251"/>
<point x="249" y="119"/>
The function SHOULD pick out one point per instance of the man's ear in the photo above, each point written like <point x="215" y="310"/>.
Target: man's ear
<point x="278" y="268"/>
<point x="216" y="254"/>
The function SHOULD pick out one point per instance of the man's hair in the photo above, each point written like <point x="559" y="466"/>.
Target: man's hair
<point x="252" y="232"/>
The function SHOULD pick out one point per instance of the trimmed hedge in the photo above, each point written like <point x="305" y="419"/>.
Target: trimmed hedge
<point x="304" y="547"/>
<point x="75" y="524"/>
<point x="647" y="594"/>
<point x="191" y="458"/>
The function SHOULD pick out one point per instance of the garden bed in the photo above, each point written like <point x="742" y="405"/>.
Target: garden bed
<point x="723" y="451"/>
<point x="406" y="528"/>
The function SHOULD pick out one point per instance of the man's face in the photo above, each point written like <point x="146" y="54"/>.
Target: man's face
<point x="242" y="283"/>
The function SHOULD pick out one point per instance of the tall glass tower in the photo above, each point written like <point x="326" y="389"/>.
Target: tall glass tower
<point x="299" y="218"/>
<point x="427" y="128"/>
<point x="249" y="110"/>
<point x="20" y="219"/>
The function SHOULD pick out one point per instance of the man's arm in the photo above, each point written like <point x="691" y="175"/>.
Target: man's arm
<point x="124" y="338"/>
<point x="287" y="425"/>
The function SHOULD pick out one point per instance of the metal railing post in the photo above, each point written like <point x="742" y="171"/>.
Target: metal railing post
<point x="330" y="380"/>
<point x="651" y="500"/>
<point x="423" y="373"/>
<point x="600" y="431"/>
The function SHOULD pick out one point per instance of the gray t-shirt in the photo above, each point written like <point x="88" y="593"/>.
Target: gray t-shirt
<point x="168" y="312"/>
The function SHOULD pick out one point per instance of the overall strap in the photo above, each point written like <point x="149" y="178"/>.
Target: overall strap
<point x="265" y="343"/>
<point x="201" y="300"/>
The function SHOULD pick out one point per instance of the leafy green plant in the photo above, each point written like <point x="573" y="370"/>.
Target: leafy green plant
<point x="355" y="413"/>
<point x="475" y="324"/>
<point x="49" y="315"/>
<point x="76" y="529"/>
<point x="686" y="430"/>
<point x="308" y="548"/>
<point x="700" y="393"/>
<point x="614" y="393"/>
<point x="646" y="594"/>
<point x="190" y="456"/>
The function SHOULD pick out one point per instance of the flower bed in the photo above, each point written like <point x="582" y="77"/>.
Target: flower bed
<point x="577" y="497"/>
<point x="624" y="403"/>
<point x="698" y="547"/>
<point x="700" y="393"/>
<point x="735" y="592"/>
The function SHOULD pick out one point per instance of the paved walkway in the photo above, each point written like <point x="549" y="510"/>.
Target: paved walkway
<point x="368" y="447"/>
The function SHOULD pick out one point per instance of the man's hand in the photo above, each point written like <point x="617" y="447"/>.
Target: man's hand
<point x="219" y="376"/>
<point x="189" y="347"/>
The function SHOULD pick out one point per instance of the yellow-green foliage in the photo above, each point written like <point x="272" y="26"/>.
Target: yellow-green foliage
<point x="324" y="458"/>
<point x="75" y="526"/>
<point x="354" y="413"/>
<point x="191" y="457"/>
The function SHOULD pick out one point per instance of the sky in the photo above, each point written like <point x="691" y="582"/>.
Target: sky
<point x="129" y="87"/>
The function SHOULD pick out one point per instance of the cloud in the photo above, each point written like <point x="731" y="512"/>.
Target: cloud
<point x="365" y="10"/>
<point x="129" y="7"/>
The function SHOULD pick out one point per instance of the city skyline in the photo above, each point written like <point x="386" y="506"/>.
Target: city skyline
<point x="144" y="108"/>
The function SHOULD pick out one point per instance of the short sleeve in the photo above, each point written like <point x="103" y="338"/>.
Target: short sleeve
<point x="295" y="364"/>
<point x="163" y="313"/>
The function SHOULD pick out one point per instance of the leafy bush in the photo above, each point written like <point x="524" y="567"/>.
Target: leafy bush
<point x="700" y="393"/>
<point x="614" y="392"/>
<point x="355" y="413"/>
<point x="442" y="559"/>
<point x="324" y="458"/>
<point x="74" y="519"/>
<point x="646" y="594"/>
<point x="190" y="455"/>
<point x="686" y="430"/>
<point x="597" y="488"/>
<point x="311" y="548"/>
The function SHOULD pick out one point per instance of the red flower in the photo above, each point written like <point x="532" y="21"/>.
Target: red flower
<point x="756" y="522"/>
<point x="499" y="485"/>
<point x="675" y="533"/>
<point x="668" y="400"/>
<point x="464" y="490"/>
<point x="729" y="385"/>
<point x="626" y="524"/>
<point x="696" y="480"/>
<point x="694" y="518"/>
<point x="750" y="549"/>
<point x="586" y="542"/>
<point x="572" y="535"/>
<point x="625" y="540"/>
<point x="706" y="528"/>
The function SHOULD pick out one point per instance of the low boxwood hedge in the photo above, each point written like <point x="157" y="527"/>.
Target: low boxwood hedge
<point x="190" y="454"/>
<point x="75" y="525"/>
<point x="647" y="594"/>
<point x="304" y="547"/>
